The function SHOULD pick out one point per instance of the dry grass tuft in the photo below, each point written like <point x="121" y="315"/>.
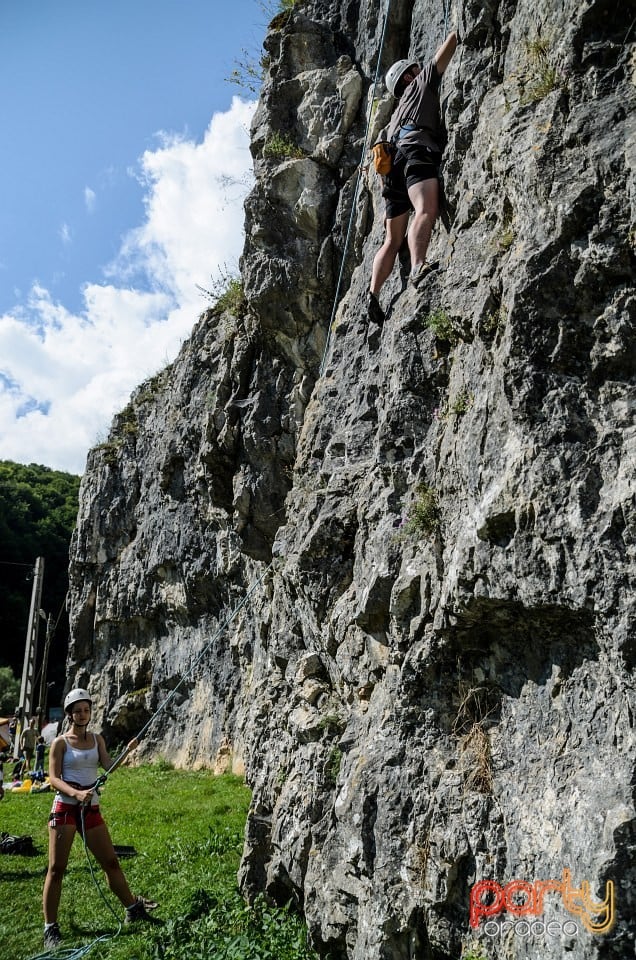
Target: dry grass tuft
<point x="477" y="704"/>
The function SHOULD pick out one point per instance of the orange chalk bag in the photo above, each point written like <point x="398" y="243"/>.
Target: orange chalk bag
<point x="383" y="153"/>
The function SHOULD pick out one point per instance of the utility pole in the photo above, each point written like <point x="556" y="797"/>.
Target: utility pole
<point x="25" y="707"/>
<point x="44" y="687"/>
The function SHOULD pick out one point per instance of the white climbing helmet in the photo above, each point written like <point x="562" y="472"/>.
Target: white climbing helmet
<point x="74" y="696"/>
<point x="395" y="73"/>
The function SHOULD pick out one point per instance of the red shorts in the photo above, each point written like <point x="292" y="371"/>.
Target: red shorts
<point x="70" y="815"/>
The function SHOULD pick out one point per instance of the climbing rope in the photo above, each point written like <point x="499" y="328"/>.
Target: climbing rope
<point x="76" y="953"/>
<point x="162" y="706"/>
<point x="446" y="14"/>
<point x="355" y="192"/>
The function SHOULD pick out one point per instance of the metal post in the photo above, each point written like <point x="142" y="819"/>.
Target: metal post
<point x="25" y="708"/>
<point x="44" y="686"/>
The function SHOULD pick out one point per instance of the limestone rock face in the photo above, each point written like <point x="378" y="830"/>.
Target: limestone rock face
<point x="390" y="572"/>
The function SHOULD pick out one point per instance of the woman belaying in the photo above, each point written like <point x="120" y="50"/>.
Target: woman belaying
<point x="73" y="769"/>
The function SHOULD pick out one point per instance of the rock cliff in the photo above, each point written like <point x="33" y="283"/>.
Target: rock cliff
<point x="432" y="681"/>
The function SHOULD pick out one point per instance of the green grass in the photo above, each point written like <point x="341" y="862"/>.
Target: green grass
<point x="423" y="516"/>
<point x="281" y="147"/>
<point x="226" y="292"/>
<point x="233" y="297"/>
<point x="187" y="828"/>
<point x="494" y="320"/>
<point x="506" y="238"/>
<point x="442" y="326"/>
<point x="541" y="78"/>
<point x="462" y="403"/>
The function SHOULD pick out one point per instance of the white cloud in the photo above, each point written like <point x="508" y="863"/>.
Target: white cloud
<point x="194" y="212"/>
<point x="64" y="375"/>
<point x="65" y="234"/>
<point x="90" y="199"/>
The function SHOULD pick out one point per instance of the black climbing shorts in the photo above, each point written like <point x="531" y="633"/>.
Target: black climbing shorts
<point x="412" y="164"/>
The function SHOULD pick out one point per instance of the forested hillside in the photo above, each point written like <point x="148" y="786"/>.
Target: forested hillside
<point x="38" y="508"/>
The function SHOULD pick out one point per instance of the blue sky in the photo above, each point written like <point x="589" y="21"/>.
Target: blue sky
<point x="124" y="163"/>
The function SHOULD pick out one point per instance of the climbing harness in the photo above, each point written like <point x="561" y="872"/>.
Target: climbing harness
<point x="384" y="151"/>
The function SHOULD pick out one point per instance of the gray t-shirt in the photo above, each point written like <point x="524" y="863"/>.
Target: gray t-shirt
<point x="419" y="105"/>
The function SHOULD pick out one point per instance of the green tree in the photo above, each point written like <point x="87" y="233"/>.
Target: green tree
<point x="9" y="691"/>
<point x="38" y="508"/>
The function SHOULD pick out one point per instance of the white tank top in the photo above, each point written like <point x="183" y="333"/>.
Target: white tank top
<point x="80" y="766"/>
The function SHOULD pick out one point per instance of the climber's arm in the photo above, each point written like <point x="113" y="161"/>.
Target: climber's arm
<point x="445" y="52"/>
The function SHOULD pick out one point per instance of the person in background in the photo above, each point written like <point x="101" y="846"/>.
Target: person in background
<point x="28" y="739"/>
<point x="19" y="768"/>
<point x="74" y="760"/>
<point x="40" y="747"/>
<point x="13" y="726"/>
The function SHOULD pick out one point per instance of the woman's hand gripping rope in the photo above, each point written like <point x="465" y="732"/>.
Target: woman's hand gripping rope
<point x="101" y="780"/>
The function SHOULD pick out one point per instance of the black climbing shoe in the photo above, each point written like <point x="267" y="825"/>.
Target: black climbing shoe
<point x="139" y="911"/>
<point x="374" y="310"/>
<point x="52" y="937"/>
<point x="423" y="270"/>
<point x="419" y="274"/>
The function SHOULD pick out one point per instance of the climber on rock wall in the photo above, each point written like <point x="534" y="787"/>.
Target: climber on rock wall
<point x="413" y="181"/>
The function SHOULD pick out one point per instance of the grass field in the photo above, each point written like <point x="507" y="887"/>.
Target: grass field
<point x="187" y="829"/>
